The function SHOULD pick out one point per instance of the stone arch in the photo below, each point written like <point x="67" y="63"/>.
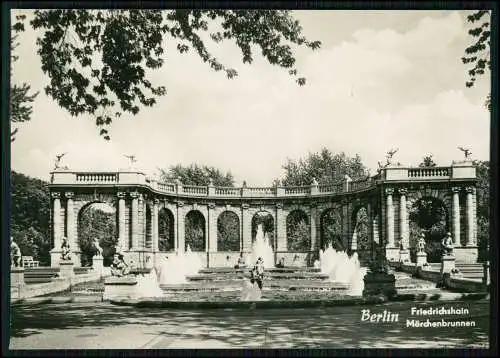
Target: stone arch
<point x="95" y="219"/>
<point x="430" y="215"/>
<point x="195" y="231"/>
<point x="267" y="220"/>
<point x="331" y="231"/>
<point x="228" y="231"/>
<point x="298" y="231"/>
<point x="166" y="230"/>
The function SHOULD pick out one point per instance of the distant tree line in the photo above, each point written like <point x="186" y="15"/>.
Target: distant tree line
<point x="30" y="211"/>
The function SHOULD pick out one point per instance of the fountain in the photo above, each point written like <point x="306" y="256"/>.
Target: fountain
<point x="343" y="269"/>
<point x="174" y="268"/>
<point x="261" y="248"/>
<point x="148" y="286"/>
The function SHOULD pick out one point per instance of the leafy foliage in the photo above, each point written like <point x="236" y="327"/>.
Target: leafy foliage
<point x="427" y="162"/>
<point x="325" y="167"/>
<point x="29" y="216"/>
<point x="166" y="231"/>
<point x="483" y="207"/>
<point x="331" y="229"/>
<point x="428" y="215"/>
<point x="298" y="232"/>
<point x="363" y="241"/>
<point x="478" y="53"/>
<point x="21" y="98"/>
<point x="98" y="60"/>
<point x="195" y="174"/>
<point x="95" y="223"/>
<point x="228" y="232"/>
<point x="195" y="231"/>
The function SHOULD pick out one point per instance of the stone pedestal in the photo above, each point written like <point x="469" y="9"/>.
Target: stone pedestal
<point x="379" y="284"/>
<point x="16" y="276"/>
<point x="16" y="282"/>
<point x="66" y="269"/>
<point x="119" y="287"/>
<point x="404" y="256"/>
<point x="486" y="273"/>
<point x="447" y="264"/>
<point x="97" y="264"/>
<point x="55" y="257"/>
<point x="421" y="258"/>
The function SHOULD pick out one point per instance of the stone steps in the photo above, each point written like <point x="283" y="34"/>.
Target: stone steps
<point x="268" y="276"/>
<point x="290" y="269"/>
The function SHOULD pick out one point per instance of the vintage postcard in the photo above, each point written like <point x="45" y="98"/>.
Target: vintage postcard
<point x="249" y="179"/>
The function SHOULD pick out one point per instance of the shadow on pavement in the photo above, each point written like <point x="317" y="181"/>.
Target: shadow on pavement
<point x="332" y="327"/>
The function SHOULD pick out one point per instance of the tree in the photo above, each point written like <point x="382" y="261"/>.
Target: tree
<point x="427" y="162"/>
<point x="195" y="231"/>
<point x="195" y="174"/>
<point x="29" y="216"/>
<point x="325" y="167"/>
<point x="97" y="60"/>
<point x="228" y="232"/>
<point x="483" y="206"/>
<point x="478" y="53"/>
<point x="21" y="98"/>
<point x="298" y="232"/>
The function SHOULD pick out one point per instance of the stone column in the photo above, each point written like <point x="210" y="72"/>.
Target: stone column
<point x="470" y="216"/>
<point x="281" y="239"/>
<point x="154" y="223"/>
<point x="246" y="228"/>
<point x="70" y="222"/>
<point x="56" y="221"/>
<point x="390" y="217"/>
<point x="122" y="241"/>
<point x="212" y="229"/>
<point x="180" y="228"/>
<point x="403" y="220"/>
<point x="312" y="215"/>
<point x="456" y="216"/>
<point x="135" y="220"/>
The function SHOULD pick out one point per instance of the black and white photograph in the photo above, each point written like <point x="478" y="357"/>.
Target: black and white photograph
<point x="248" y="178"/>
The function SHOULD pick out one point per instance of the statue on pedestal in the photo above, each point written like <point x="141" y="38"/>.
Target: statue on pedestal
<point x="15" y="254"/>
<point x="421" y="244"/>
<point x="65" y="249"/>
<point x="447" y="244"/>
<point x="97" y="247"/>
<point x="466" y="152"/>
<point x="118" y="267"/>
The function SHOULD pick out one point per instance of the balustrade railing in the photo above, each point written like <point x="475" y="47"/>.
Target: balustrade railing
<point x="331" y="188"/>
<point x="356" y="185"/>
<point x="227" y="191"/>
<point x="169" y="188"/>
<point x="196" y="190"/>
<point x="429" y="172"/>
<point x="129" y="178"/>
<point x="297" y="190"/>
<point x="259" y="191"/>
<point x="92" y="178"/>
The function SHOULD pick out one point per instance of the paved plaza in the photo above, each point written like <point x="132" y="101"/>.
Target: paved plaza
<point x="102" y="325"/>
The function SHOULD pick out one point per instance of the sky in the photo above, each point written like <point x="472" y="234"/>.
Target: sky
<point x="381" y="80"/>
